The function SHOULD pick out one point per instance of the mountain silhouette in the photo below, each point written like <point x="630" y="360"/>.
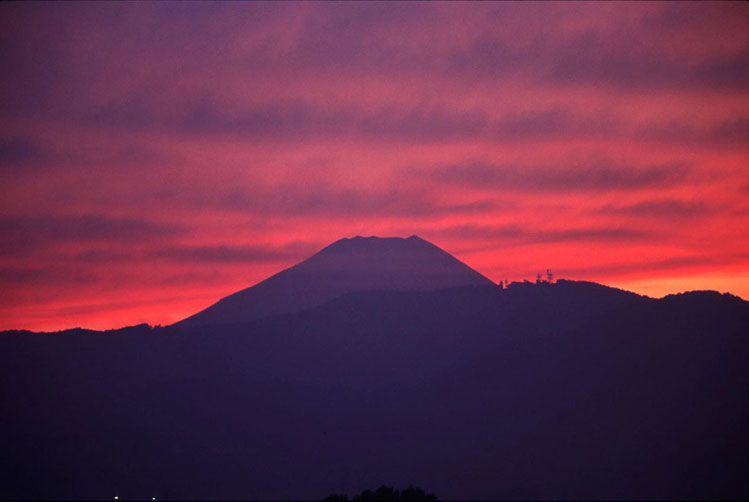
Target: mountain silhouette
<point x="346" y="266"/>
<point x="568" y="390"/>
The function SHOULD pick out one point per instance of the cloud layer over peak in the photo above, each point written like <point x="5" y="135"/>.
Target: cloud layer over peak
<point x="175" y="152"/>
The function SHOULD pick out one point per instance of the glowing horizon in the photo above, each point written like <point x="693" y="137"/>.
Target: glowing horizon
<point x="159" y="156"/>
<point x="101" y="316"/>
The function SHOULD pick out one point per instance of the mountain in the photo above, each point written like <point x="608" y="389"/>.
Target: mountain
<point x="563" y="391"/>
<point x="346" y="266"/>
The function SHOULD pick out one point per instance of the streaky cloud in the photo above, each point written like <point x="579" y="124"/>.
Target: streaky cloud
<point x="565" y="177"/>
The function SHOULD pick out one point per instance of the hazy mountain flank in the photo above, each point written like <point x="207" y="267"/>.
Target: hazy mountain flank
<point x="346" y="266"/>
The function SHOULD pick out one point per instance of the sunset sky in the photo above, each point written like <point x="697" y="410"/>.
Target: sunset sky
<point x="155" y="157"/>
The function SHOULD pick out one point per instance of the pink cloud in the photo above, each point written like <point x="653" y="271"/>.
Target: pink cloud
<point x="156" y="156"/>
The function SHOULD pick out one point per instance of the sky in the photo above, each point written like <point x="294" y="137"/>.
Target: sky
<point x="155" y="157"/>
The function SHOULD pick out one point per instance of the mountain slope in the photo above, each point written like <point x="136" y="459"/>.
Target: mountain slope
<point x="346" y="266"/>
<point x="551" y="391"/>
<point x="389" y="361"/>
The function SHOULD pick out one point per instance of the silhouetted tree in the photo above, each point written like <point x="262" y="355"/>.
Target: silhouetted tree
<point x="366" y="496"/>
<point x="549" y="276"/>
<point x="414" y="494"/>
<point x="334" y="497"/>
<point x="387" y="494"/>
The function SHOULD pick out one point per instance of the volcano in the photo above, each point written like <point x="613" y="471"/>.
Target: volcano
<point x="388" y="361"/>
<point x="346" y="266"/>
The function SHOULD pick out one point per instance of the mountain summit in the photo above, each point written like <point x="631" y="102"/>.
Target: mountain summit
<point x="346" y="266"/>
<point x="479" y="392"/>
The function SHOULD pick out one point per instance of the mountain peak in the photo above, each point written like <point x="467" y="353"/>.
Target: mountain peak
<point x="375" y="240"/>
<point x="347" y="265"/>
<point x="373" y="243"/>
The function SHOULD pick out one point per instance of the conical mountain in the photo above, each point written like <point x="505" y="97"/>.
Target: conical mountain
<point x="346" y="266"/>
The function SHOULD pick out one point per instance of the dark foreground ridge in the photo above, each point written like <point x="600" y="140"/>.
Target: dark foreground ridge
<point x="560" y="391"/>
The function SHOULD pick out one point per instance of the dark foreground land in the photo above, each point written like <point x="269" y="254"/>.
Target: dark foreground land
<point x="553" y="391"/>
